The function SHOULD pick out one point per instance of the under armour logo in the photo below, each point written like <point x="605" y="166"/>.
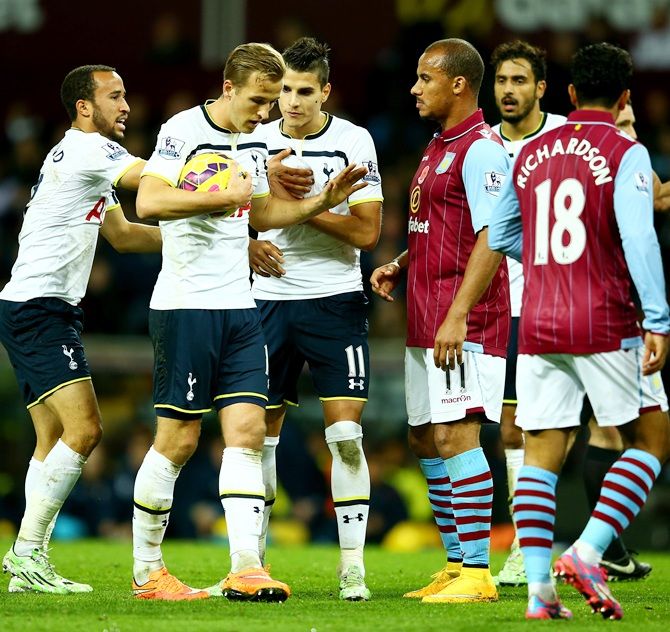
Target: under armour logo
<point x="348" y="519"/>
<point x="356" y="384"/>
<point x="191" y="381"/>
<point x="72" y="364"/>
<point x="257" y="510"/>
<point x="327" y="172"/>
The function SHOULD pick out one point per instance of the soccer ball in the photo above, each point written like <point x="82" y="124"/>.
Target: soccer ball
<point x="296" y="162"/>
<point x="206" y="172"/>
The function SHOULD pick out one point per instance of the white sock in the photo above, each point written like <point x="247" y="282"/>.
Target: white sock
<point x="243" y="498"/>
<point x="153" y="494"/>
<point x="270" y="482"/>
<point x="546" y="592"/>
<point x="350" y="485"/>
<point x="351" y="557"/>
<point x="513" y="461"/>
<point x="60" y="471"/>
<point x="32" y="477"/>
<point x="587" y="552"/>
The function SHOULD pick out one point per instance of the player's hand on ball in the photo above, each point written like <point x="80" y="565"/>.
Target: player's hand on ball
<point x="290" y="177"/>
<point x="265" y="258"/>
<point x="239" y="190"/>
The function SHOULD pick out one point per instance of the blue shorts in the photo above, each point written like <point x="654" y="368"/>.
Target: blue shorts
<point x="509" y="396"/>
<point x="330" y="334"/>
<point x="206" y="358"/>
<point x="43" y="341"/>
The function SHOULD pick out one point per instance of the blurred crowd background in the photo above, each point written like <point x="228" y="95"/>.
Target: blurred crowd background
<point x="170" y="55"/>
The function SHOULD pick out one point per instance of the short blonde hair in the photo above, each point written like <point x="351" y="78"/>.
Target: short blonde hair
<point x="253" y="57"/>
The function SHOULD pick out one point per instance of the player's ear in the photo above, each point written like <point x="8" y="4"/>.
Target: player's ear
<point x="573" y="95"/>
<point x="458" y="85"/>
<point x="228" y="89"/>
<point x="623" y="100"/>
<point x="540" y="89"/>
<point x="325" y="92"/>
<point x="84" y="108"/>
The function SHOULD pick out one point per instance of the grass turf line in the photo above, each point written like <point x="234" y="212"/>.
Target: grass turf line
<point x="314" y="605"/>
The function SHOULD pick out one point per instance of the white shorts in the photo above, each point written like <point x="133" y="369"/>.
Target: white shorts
<point x="551" y="389"/>
<point x="437" y="396"/>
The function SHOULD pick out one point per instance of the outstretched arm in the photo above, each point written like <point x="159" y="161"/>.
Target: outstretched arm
<point x="125" y="236"/>
<point x="360" y="229"/>
<point x="157" y="199"/>
<point x="131" y="178"/>
<point x="272" y="212"/>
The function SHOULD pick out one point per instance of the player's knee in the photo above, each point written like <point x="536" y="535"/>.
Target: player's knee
<point x="188" y="446"/>
<point x="344" y="439"/>
<point x="177" y="442"/>
<point x="511" y="436"/>
<point x="657" y="445"/>
<point x="86" y="437"/>
<point x="421" y="442"/>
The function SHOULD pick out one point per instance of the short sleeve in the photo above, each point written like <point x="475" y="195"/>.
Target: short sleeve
<point x="485" y="170"/>
<point x="362" y="152"/>
<point x="170" y="154"/>
<point x="107" y="160"/>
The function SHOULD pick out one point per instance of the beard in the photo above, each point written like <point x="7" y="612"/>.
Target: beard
<point x="519" y="115"/>
<point x="104" y="127"/>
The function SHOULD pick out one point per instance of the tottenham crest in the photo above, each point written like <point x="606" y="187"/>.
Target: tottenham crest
<point x="190" y="396"/>
<point x="72" y="364"/>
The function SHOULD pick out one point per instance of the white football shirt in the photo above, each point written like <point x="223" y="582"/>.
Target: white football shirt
<point x="317" y="264"/>
<point x="513" y="147"/>
<point x="63" y="217"/>
<point x="205" y="258"/>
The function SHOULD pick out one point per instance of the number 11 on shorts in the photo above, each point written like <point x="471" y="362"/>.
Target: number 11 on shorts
<point x="461" y="369"/>
<point x="354" y="354"/>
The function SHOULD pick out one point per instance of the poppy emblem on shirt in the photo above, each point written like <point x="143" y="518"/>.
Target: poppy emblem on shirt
<point x="445" y="163"/>
<point x="423" y="174"/>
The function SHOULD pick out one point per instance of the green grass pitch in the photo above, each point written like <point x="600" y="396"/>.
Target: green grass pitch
<point x="314" y="605"/>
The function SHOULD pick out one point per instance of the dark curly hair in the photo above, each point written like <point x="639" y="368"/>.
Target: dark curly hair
<point x="600" y="73"/>
<point x="309" y="55"/>
<point x="519" y="49"/>
<point x="80" y="84"/>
